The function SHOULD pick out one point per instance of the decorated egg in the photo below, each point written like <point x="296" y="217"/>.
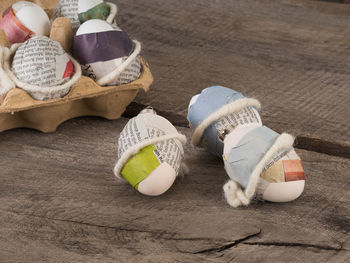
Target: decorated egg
<point x="150" y="153"/>
<point x="42" y="68"/>
<point x="23" y="20"/>
<point x="260" y="162"/>
<point x="92" y="9"/>
<point x="107" y="54"/>
<point x="79" y="11"/>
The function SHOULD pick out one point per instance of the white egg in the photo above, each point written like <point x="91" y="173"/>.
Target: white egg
<point x="94" y="26"/>
<point x="159" y="181"/>
<point x="85" y="5"/>
<point x="284" y="191"/>
<point x="26" y="12"/>
<point x="19" y="5"/>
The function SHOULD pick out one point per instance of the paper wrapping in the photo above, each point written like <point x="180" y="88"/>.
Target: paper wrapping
<point x="142" y="127"/>
<point x="42" y="62"/>
<point x="86" y="98"/>
<point x="101" y="53"/>
<point x="13" y="28"/>
<point x="70" y="9"/>
<point x="249" y="139"/>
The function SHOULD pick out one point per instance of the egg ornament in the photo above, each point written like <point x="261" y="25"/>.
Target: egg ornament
<point x="41" y="67"/>
<point x="260" y="162"/>
<point x="150" y="153"/>
<point x="19" y="24"/>
<point x="107" y="54"/>
<point x="79" y="11"/>
<point x="96" y="9"/>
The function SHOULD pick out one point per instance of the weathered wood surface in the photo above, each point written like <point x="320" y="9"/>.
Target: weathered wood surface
<point x="292" y="55"/>
<point x="61" y="203"/>
<point x="59" y="200"/>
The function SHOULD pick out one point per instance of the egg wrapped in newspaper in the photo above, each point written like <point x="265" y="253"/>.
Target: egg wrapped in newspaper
<point x="107" y="54"/>
<point x="41" y="67"/>
<point x="150" y="153"/>
<point x="79" y="11"/>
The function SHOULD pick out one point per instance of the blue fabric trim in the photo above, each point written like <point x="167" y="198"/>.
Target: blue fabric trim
<point x="210" y="100"/>
<point x="250" y="150"/>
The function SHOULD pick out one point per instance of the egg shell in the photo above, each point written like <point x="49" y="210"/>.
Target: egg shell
<point x="285" y="191"/>
<point x="19" y="25"/>
<point x="98" y="68"/>
<point x="95" y="26"/>
<point x="19" y="5"/>
<point x="40" y="25"/>
<point x="158" y="181"/>
<point x="150" y="173"/>
<point x="85" y="5"/>
<point x="42" y="68"/>
<point x="48" y="56"/>
<point x="101" y="49"/>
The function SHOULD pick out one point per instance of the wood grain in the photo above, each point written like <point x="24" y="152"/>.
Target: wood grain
<point x="292" y="55"/>
<point x="60" y="202"/>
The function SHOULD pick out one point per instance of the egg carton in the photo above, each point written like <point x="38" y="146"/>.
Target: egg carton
<point x="86" y="98"/>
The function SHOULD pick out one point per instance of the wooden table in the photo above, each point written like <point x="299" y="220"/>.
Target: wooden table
<point x="60" y="202"/>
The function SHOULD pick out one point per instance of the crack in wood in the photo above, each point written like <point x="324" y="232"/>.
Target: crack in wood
<point x="218" y="249"/>
<point x="228" y="245"/>
<point x="159" y="234"/>
<point x="336" y="1"/>
<point x="301" y="142"/>
<point x="294" y="244"/>
<point x="322" y="146"/>
<point x="176" y="119"/>
<point x="89" y="224"/>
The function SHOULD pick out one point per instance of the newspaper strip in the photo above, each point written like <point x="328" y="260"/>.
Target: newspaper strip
<point x="131" y="73"/>
<point x="244" y="117"/>
<point x="137" y="130"/>
<point x="69" y="9"/>
<point x="41" y="61"/>
<point x="98" y="70"/>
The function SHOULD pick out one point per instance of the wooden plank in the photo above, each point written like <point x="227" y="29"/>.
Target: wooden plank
<point x="291" y="55"/>
<point x="60" y="202"/>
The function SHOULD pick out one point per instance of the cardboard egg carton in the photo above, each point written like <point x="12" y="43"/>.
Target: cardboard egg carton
<point x="86" y="98"/>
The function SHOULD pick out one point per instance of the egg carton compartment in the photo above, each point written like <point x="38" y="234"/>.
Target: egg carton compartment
<point x="86" y="98"/>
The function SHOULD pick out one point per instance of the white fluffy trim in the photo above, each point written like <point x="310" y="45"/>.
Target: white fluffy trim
<point x="112" y="13"/>
<point x="225" y="110"/>
<point x="119" y="70"/>
<point x="6" y="84"/>
<point x="234" y="194"/>
<point x="137" y="147"/>
<point x="43" y="92"/>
